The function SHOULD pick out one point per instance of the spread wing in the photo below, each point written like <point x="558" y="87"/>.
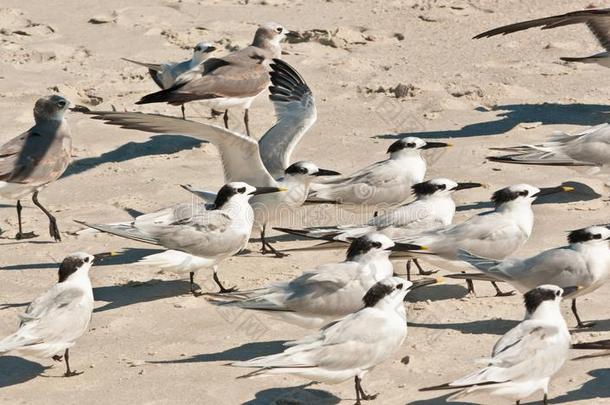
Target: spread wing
<point x="295" y="111"/>
<point x="239" y="153"/>
<point x="597" y="20"/>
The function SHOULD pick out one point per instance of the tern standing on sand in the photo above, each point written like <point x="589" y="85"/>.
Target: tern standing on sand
<point x="54" y="321"/>
<point x="36" y="158"/>
<point x="230" y="81"/>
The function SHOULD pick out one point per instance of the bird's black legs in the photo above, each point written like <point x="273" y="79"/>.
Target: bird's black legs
<point x="360" y="394"/>
<point x="470" y="286"/>
<point x="499" y="292"/>
<point x="247" y="122"/>
<point x="579" y="323"/>
<point x="183" y="113"/>
<point x="69" y="373"/>
<point x="545" y="400"/>
<point x="20" y="235"/>
<point x="225" y="119"/>
<point x="267" y="248"/>
<point x="53" y="230"/>
<point x="423" y="272"/>
<point x="192" y="278"/>
<point x="223" y="290"/>
<point x="518" y="403"/>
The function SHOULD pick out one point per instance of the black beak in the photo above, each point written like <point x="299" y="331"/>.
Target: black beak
<point x="404" y="250"/>
<point x="567" y="291"/>
<point x="210" y="49"/>
<point x="293" y="34"/>
<point x="267" y="190"/>
<point x="464" y="186"/>
<point x="426" y="281"/>
<point x="80" y="109"/>
<point x="432" y="145"/>
<point x="326" y="172"/>
<point x="99" y="257"/>
<point x="553" y="190"/>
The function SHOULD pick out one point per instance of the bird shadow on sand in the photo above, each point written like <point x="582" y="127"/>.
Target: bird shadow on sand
<point x="508" y="116"/>
<point x="130" y="293"/>
<point x="17" y="370"/>
<point x="157" y="145"/>
<point x="244" y="352"/>
<point x="592" y="390"/>
<point x="438" y="400"/>
<point x="486" y="326"/>
<point x="600" y="325"/>
<point x="581" y="193"/>
<point x="299" y="394"/>
<point x="438" y="293"/>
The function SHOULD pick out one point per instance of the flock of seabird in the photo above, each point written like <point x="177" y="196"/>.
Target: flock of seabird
<point x="357" y="305"/>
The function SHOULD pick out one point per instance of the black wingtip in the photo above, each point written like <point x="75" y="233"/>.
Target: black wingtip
<point x="445" y="386"/>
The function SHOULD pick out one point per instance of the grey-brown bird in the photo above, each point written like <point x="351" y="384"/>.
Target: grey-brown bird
<point x="231" y="81"/>
<point x="597" y="20"/>
<point x="36" y="158"/>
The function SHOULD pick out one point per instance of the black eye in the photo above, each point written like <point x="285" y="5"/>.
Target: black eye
<point x="557" y="293"/>
<point x="279" y="30"/>
<point x="597" y="236"/>
<point x="87" y="260"/>
<point x="524" y="193"/>
<point x="399" y="286"/>
<point x="442" y="186"/>
<point x="241" y="190"/>
<point x="376" y="245"/>
<point x="411" y="145"/>
<point x="61" y="104"/>
<point x="197" y="49"/>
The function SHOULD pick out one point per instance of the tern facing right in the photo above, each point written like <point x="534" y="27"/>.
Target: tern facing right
<point x="348" y="348"/>
<point x="584" y="262"/>
<point x="526" y="357"/>
<point x="386" y="183"/>
<point x="54" y="321"/>
<point x="328" y="292"/>
<point x="196" y="236"/>
<point x="496" y="234"/>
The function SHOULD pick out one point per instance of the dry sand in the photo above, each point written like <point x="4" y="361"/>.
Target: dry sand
<point x="152" y="343"/>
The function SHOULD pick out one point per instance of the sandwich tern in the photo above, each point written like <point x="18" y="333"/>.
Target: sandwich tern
<point x="54" y="321"/>
<point x="584" y="262"/>
<point x="347" y="348"/>
<point x="196" y="236"/>
<point x="387" y="182"/>
<point x="526" y="357"/>
<point x="326" y="293"/>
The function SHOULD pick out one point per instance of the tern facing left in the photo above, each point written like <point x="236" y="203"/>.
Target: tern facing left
<point x="526" y="357"/>
<point x="387" y="182"/>
<point x="54" y="321"/>
<point x="196" y="236"/>
<point x="348" y="348"/>
<point x="584" y="262"/>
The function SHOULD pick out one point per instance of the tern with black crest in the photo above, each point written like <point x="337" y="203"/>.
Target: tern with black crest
<point x="54" y="321"/>
<point x="525" y="359"/>
<point x="196" y="236"/>
<point x="348" y="348"/>
<point x="326" y="293"/>
<point x="496" y="234"/>
<point x="386" y="183"/>
<point x="243" y="158"/>
<point x="584" y="262"/>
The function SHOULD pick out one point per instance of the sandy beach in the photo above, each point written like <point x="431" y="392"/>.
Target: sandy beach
<point x="150" y="341"/>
